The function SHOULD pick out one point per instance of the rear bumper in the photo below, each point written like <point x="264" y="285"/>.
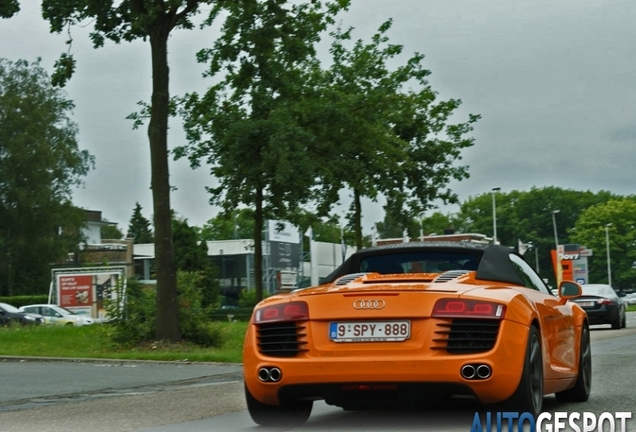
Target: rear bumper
<point x="603" y="315"/>
<point x="404" y="373"/>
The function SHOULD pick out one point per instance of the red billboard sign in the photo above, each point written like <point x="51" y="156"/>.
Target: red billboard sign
<point x="75" y="290"/>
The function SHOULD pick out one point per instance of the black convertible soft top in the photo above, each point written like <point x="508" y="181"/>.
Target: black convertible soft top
<point x="492" y="262"/>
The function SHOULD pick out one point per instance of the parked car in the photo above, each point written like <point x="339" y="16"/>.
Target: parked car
<point x="630" y="299"/>
<point x="10" y="314"/>
<point x="404" y="324"/>
<point x="603" y="305"/>
<point x="54" y="314"/>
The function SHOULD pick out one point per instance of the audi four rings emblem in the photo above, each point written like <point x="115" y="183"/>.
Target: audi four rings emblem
<point x="369" y="304"/>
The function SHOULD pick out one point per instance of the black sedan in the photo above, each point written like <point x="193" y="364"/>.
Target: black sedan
<point x="10" y="315"/>
<point x="603" y="305"/>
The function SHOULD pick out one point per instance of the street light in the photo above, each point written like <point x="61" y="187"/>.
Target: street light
<point x="556" y="238"/>
<point x="536" y="255"/>
<point x="609" y="265"/>
<point x="494" y="215"/>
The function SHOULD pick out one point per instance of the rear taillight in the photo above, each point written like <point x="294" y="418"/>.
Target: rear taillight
<point x="460" y="308"/>
<point x="604" y="301"/>
<point x="294" y="311"/>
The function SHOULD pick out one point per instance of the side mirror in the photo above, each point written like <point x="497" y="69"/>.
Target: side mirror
<point x="569" y="290"/>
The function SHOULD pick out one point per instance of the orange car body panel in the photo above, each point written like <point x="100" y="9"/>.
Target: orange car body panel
<point x="416" y="359"/>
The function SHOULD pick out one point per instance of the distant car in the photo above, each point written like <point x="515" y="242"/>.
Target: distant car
<point x="603" y="305"/>
<point x="10" y="314"/>
<point x="630" y="299"/>
<point x="54" y="314"/>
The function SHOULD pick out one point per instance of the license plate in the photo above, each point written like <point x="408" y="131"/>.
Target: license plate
<point x="586" y="304"/>
<point x="370" y="331"/>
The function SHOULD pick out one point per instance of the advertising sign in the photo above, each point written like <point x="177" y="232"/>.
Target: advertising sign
<point x="284" y="245"/>
<point x="75" y="290"/>
<point x="86" y="290"/>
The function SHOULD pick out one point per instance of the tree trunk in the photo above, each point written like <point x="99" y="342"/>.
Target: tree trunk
<point x="258" y="245"/>
<point x="357" y="216"/>
<point x="167" y="327"/>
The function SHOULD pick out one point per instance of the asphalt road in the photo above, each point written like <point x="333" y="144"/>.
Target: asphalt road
<point x="98" y="396"/>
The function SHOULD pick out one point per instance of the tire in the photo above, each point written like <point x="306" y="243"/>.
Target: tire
<point x="583" y="386"/>
<point x="624" y="320"/>
<point x="278" y="415"/>
<point x="529" y="394"/>
<point x="617" y="323"/>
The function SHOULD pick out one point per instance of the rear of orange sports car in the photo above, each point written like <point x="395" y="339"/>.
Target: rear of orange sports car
<point x="405" y="339"/>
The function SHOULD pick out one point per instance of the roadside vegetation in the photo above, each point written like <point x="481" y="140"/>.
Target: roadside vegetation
<point x="95" y="341"/>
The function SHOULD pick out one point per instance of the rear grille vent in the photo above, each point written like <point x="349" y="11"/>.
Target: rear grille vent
<point x="450" y="275"/>
<point x="282" y="339"/>
<point x="467" y="336"/>
<point x="349" y="278"/>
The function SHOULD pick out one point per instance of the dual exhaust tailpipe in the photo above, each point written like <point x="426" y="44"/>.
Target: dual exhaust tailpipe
<point x="269" y="374"/>
<point x="476" y="371"/>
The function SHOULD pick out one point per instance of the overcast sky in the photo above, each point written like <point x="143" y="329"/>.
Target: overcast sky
<point x="554" y="82"/>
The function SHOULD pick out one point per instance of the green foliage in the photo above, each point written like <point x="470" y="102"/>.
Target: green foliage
<point x="111" y="232"/>
<point x="191" y="255"/>
<point x="19" y="301"/>
<point x="8" y="8"/>
<point x="248" y="298"/>
<point x="152" y="21"/>
<point x="384" y="131"/>
<point x="139" y="227"/>
<point x="527" y="216"/>
<point x="94" y="341"/>
<point x="40" y="163"/>
<point x="249" y="126"/>
<point x="133" y="313"/>
<point x="615" y="221"/>
<point x="193" y="315"/>
<point x="136" y="322"/>
<point x="236" y="224"/>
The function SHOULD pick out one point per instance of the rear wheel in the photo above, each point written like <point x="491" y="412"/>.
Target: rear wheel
<point x="529" y="395"/>
<point x="624" y="320"/>
<point x="581" y="390"/>
<point x="616" y="324"/>
<point x="292" y="414"/>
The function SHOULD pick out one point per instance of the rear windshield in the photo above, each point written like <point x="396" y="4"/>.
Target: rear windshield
<point x="419" y="262"/>
<point x="596" y="290"/>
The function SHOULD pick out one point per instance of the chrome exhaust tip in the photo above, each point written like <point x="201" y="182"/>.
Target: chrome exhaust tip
<point x="483" y="371"/>
<point x="263" y="374"/>
<point x="275" y="374"/>
<point x="468" y="372"/>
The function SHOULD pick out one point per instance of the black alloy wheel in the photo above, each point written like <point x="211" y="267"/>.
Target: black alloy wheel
<point x="583" y="386"/>
<point x="529" y="394"/>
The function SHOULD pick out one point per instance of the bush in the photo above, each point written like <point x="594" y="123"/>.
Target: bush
<point x="25" y="300"/>
<point x="247" y="298"/>
<point x="136" y="321"/>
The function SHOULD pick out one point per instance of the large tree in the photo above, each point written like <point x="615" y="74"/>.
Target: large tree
<point x="8" y="8"/>
<point x="154" y="21"/>
<point x="40" y="162"/>
<point x="527" y="216"/>
<point x="388" y="135"/>
<point x="236" y="224"/>
<point x="609" y="228"/>
<point x="248" y="126"/>
<point x="139" y="227"/>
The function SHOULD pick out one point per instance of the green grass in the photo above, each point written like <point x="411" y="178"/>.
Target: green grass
<point x="93" y="342"/>
<point x="631" y="308"/>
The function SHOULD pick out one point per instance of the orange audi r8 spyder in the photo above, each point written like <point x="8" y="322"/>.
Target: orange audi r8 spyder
<point x="416" y="322"/>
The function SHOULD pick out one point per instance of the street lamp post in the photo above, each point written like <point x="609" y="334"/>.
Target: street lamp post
<point x="536" y="255"/>
<point x="494" y="215"/>
<point x="556" y="238"/>
<point x="609" y="265"/>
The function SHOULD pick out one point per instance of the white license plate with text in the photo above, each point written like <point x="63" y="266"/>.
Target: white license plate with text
<point x="370" y="331"/>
